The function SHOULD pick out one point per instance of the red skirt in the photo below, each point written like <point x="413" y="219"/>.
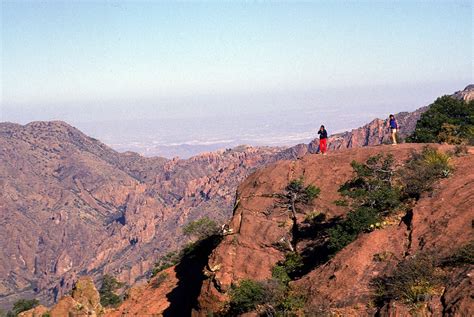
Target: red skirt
<point x="323" y="145"/>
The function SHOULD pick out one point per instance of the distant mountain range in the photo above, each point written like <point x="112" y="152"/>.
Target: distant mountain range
<point x="72" y="206"/>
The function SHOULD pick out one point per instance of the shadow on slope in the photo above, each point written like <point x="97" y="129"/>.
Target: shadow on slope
<point x="190" y="275"/>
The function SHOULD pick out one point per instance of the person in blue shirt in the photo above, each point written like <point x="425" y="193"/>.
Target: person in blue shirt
<point x="393" y="125"/>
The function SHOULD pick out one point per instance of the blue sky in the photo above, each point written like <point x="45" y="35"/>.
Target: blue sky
<point x="62" y="60"/>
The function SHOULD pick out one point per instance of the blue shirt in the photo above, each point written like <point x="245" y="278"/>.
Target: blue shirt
<point x="393" y="124"/>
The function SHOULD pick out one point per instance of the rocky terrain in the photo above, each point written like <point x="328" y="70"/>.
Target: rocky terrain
<point x="441" y="222"/>
<point x="72" y="206"/>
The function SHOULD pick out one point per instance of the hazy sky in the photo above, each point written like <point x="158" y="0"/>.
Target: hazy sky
<point x="84" y="61"/>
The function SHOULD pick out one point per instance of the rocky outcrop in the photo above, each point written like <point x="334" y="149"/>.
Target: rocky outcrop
<point x="467" y="94"/>
<point x="441" y="222"/>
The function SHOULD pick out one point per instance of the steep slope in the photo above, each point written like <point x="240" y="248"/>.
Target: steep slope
<point x="441" y="223"/>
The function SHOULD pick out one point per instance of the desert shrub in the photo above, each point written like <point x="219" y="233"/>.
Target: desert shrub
<point x="46" y="315"/>
<point x="247" y="295"/>
<point x="414" y="280"/>
<point x="201" y="228"/>
<point x="155" y="283"/>
<point x="372" y="185"/>
<point x="341" y="202"/>
<point x="422" y="170"/>
<point x="20" y="306"/>
<point x="291" y="265"/>
<point x="166" y="261"/>
<point x="348" y="229"/>
<point x="280" y="274"/>
<point x="447" y="120"/>
<point x="107" y="291"/>
<point x="461" y="256"/>
<point x="372" y="195"/>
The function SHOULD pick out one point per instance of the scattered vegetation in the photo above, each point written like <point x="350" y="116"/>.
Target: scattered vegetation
<point x="20" y="306"/>
<point x="201" y="228"/>
<point x="166" y="261"/>
<point x="422" y="170"/>
<point x="447" y="120"/>
<point x="268" y="298"/>
<point x="414" y="280"/>
<point x="108" y="295"/>
<point x="155" y="283"/>
<point x="245" y="296"/>
<point x="372" y="196"/>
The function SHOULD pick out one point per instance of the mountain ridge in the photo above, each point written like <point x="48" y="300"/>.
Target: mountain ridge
<point x="59" y="184"/>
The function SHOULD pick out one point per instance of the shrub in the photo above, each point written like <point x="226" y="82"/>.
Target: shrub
<point x="422" y="170"/>
<point x="347" y="231"/>
<point x="108" y="297"/>
<point x="372" y="185"/>
<point x="463" y="255"/>
<point x="247" y="295"/>
<point x="22" y="305"/>
<point x="201" y="229"/>
<point x="414" y="280"/>
<point x="341" y="202"/>
<point x="279" y="273"/>
<point x="166" y="261"/>
<point x="447" y="120"/>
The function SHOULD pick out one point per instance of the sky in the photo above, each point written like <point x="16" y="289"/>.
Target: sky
<point x="95" y="64"/>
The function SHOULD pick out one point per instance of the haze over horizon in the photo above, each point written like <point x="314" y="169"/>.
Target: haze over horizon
<point x="178" y="78"/>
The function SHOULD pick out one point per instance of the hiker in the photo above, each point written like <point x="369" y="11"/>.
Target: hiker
<point x="393" y="125"/>
<point x="323" y="140"/>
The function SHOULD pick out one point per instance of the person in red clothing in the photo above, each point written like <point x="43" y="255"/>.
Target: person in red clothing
<point x="323" y="140"/>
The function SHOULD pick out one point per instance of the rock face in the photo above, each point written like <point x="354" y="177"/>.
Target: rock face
<point x="441" y="222"/>
<point x="72" y="206"/>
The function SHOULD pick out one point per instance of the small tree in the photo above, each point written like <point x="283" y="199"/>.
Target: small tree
<point x="297" y="194"/>
<point x="108" y="296"/>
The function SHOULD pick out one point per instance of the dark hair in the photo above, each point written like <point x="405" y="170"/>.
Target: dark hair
<point x="322" y="126"/>
<point x="391" y="116"/>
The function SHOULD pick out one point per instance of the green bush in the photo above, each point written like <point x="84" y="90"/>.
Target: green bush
<point x="166" y="261"/>
<point x="414" y="280"/>
<point x="372" y="196"/>
<point x="108" y="297"/>
<point x="345" y="232"/>
<point x="22" y="305"/>
<point x="247" y="295"/>
<point x="447" y="120"/>
<point x="422" y="170"/>
<point x="372" y="185"/>
<point x="201" y="228"/>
